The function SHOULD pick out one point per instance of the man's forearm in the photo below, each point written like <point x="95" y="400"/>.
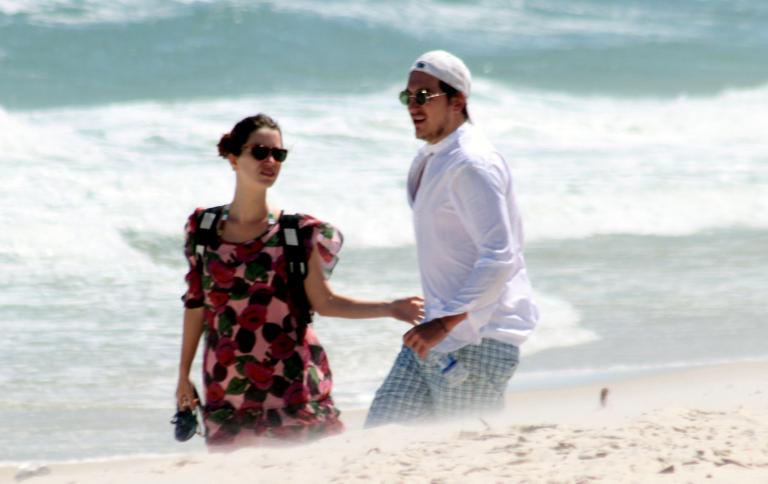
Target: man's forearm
<point x="451" y="321"/>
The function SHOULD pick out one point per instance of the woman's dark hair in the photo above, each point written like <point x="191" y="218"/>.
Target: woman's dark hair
<point x="449" y="93"/>
<point x="232" y="142"/>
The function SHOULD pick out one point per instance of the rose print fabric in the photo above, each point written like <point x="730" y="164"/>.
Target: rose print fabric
<point x="259" y="383"/>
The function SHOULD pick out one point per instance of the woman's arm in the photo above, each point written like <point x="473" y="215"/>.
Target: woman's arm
<point x="326" y="303"/>
<point x="193" y="329"/>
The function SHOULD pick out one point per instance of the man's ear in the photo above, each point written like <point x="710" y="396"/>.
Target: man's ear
<point x="458" y="102"/>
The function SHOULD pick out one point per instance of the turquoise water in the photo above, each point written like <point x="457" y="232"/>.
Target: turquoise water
<point x="76" y="52"/>
<point x="635" y="131"/>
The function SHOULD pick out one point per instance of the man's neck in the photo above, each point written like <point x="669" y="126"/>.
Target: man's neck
<point x="452" y="127"/>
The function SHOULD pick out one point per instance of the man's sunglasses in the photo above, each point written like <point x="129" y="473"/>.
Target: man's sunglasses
<point x="261" y="152"/>
<point x="422" y="96"/>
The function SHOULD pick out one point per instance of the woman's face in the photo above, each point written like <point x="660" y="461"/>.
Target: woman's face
<point x="261" y="172"/>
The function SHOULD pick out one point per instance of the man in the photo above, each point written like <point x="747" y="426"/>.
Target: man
<point x="478" y="306"/>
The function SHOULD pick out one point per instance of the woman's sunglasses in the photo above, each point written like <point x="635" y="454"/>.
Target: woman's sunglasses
<point x="261" y="152"/>
<point x="422" y="96"/>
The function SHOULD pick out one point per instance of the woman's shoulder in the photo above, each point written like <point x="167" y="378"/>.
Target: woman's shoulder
<point x="323" y="236"/>
<point x="323" y="231"/>
<point x="194" y="218"/>
<point x="306" y="220"/>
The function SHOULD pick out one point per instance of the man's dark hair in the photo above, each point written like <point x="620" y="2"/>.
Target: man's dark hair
<point x="450" y="91"/>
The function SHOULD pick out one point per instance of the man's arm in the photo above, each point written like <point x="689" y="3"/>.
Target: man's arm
<point x="479" y="194"/>
<point x="425" y="336"/>
<point x="480" y="198"/>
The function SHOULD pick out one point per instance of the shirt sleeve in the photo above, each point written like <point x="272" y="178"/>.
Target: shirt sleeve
<point x="194" y="296"/>
<point x="326" y="238"/>
<point x="480" y="194"/>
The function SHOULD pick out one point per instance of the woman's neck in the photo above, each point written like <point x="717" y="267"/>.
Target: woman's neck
<point x="249" y="207"/>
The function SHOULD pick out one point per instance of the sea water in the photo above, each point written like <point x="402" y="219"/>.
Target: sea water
<point x="635" y="131"/>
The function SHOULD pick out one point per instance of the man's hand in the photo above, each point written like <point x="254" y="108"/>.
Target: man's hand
<point x="425" y="336"/>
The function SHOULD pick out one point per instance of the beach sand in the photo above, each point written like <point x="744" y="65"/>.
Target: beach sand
<point x="697" y="425"/>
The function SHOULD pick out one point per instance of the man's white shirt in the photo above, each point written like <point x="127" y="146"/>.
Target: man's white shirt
<point x="469" y="240"/>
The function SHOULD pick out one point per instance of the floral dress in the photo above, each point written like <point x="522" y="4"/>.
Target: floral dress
<point x="259" y="382"/>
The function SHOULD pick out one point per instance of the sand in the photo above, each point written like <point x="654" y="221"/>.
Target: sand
<point x="698" y="425"/>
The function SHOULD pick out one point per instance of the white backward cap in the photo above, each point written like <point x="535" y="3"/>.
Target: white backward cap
<point x="446" y="67"/>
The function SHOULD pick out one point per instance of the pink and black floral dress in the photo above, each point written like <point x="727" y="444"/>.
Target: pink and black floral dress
<point x="259" y="382"/>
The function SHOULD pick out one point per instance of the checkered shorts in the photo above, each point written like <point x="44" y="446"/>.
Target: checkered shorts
<point x="416" y="388"/>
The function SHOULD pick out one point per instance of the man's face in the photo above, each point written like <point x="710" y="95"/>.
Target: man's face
<point x="432" y="120"/>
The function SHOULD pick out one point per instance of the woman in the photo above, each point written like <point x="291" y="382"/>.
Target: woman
<point x="265" y="375"/>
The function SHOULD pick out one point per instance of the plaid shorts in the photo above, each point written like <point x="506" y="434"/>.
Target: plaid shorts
<point x="417" y="389"/>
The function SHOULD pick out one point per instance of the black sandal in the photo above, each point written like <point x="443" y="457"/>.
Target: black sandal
<point x="186" y="421"/>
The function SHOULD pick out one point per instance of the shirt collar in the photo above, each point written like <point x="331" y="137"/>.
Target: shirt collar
<point x="431" y="149"/>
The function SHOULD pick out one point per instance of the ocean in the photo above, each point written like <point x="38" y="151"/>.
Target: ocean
<point x="635" y="131"/>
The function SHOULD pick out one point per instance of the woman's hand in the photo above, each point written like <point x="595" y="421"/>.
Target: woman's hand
<point x="409" y="309"/>
<point x="185" y="394"/>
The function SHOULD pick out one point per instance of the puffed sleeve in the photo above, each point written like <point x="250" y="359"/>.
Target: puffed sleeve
<point x="193" y="297"/>
<point x="326" y="238"/>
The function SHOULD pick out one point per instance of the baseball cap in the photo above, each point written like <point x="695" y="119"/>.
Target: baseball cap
<point x="447" y="68"/>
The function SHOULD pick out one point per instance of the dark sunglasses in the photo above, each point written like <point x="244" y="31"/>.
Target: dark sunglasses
<point x="261" y="152"/>
<point x="422" y="96"/>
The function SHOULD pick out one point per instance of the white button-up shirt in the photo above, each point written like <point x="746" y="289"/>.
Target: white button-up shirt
<point x="469" y="240"/>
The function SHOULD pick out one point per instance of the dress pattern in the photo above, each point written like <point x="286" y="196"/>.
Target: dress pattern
<point x="259" y="382"/>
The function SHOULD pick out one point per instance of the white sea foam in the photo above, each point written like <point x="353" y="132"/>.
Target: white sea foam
<point x="94" y="11"/>
<point x="490" y="20"/>
<point x="559" y="326"/>
<point x="582" y="166"/>
<point x="590" y="166"/>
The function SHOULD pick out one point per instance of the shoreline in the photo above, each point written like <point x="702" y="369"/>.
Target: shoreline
<point x="705" y="424"/>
